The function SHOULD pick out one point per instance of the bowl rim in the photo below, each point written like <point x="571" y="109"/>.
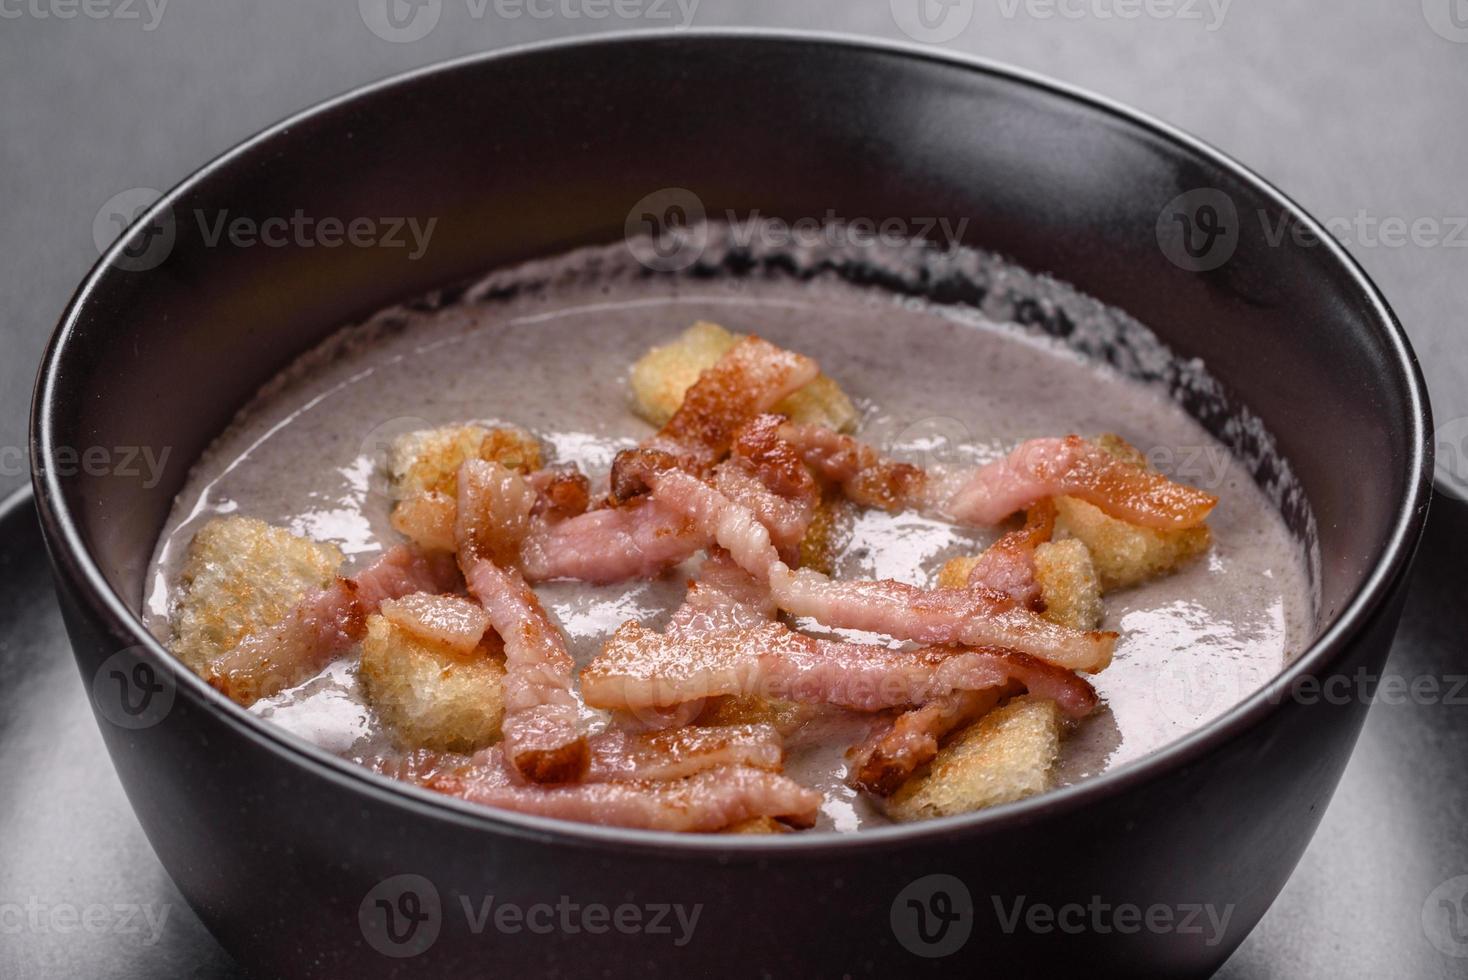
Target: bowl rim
<point x="71" y="558"/>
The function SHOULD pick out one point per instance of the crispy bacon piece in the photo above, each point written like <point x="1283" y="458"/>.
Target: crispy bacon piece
<point x="974" y="616"/>
<point x="706" y="801"/>
<point x="1037" y="469"/>
<point x="1076" y="467"/>
<point x="561" y="492"/>
<point x="1008" y="565"/>
<point x="641" y="539"/>
<point x="639" y="669"/>
<point x="910" y="741"/>
<point x="863" y="474"/>
<point x="680" y="752"/>
<point x="748" y="381"/>
<point x="446" y="620"/>
<point x="325" y="625"/>
<point x="542" y="725"/>
<point x="616" y="756"/>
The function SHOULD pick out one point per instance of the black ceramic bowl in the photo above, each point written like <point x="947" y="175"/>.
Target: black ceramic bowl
<point x="304" y="865"/>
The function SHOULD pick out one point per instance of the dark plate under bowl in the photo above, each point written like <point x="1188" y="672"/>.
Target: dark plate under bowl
<point x="304" y="865"/>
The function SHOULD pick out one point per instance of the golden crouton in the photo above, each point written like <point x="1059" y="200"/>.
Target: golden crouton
<point x="664" y="373"/>
<point x="428" y="461"/>
<point x="955" y="572"/>
<point x="1127" y="554"/>
<point x="1069" y="584"/>
<point x="241" y="575"/>
<point x="1004" y="756"/>
<point x="431" y="697"/>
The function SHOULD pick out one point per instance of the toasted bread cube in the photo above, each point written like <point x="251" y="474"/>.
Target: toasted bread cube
<point x="428" y="461"/>
<point x="955" y="572"/>
<point x="1127" y="554"/>
<point x="662" y="375"/>
<point x="430" y="696"/>
<point x="242" y="575"/>
<point x="1069" y="584"/>
<point x="1005" y="756"/>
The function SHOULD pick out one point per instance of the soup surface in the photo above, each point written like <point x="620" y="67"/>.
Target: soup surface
<point x="935" y="386"/>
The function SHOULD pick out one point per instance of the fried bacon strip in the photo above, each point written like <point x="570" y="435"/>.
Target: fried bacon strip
<point x="1008" y="565"/>
<point x="641" y="537"/>
<point x="974" y="616"/>
<point x="707" y="801"/>
<point x="910" y="741"/>
<point x="325" y="625"/>
<point x="1037" y="469"/>
<point x="639" y="670"/>
<point x="542" y="734"/>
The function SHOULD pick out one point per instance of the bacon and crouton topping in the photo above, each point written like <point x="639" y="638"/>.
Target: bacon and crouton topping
<point x="966" y="688"/>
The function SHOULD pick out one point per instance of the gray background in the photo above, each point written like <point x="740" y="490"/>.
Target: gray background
<point x="1353" y="108"/>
